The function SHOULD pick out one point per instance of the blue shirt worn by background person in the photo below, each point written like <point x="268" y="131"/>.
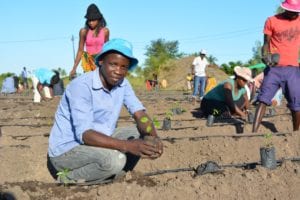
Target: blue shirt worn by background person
<point x="44" y="75"/>
<point x="8" y="85"/>
<point x="24" y="74"/>
<point x="87" y="105"/>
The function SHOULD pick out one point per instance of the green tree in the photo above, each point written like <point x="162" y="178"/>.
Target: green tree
<point x="228" y="68"/>
<point x="211" y="59"/>
<point x="256" y="58"/>
<point x="62" y="72"/>
<point x="158" y="53"/>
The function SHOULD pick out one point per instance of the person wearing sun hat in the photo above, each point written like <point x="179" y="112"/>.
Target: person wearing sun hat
<point x="281" y="42"/>
<point x="91" y="40"/>
<point x="84" y="138"/>
<point x="228" y="97"/>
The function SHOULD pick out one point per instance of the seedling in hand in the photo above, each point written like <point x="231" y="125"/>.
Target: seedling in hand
<point x="145" y="120"/>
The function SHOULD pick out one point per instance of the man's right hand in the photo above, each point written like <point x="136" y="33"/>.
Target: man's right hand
<point x="142" y="148"/>
<point x="266" y="59"/>
<point x="271" y="59"/>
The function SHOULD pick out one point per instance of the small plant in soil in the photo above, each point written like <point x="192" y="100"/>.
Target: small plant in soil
<point x="177" y="109"/>
<point x="168" y="115"/>
<point x="167" y="120"/>
<point x="145" y="120"/>
<point x="267" y="153"/>
<point x="156" y="122"/>
<point x="63" y="176"/>
<point x="211" y="118"/>
<point x="268" y="140"/>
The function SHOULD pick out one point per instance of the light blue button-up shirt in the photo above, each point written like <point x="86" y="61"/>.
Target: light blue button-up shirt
<point x="86" y="105"/>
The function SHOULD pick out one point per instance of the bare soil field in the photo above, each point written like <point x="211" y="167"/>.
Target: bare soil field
<point x="25" y="128"/>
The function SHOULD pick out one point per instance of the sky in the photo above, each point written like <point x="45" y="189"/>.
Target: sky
<point x="37" y="33"/>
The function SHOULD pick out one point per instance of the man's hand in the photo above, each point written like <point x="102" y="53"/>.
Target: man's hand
<point x="271" y="59"/>
<point x="143" y="148"/>
<point x="46" y="99"/>
<point x="266" y="59"/>
<point x="156" y="141"/>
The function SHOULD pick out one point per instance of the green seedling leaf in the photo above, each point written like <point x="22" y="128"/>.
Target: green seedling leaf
<point x="148" y="129"/>
<point x="156" y="123"/>
<point x="215" y="112"/>
<point x="176" y="105"/>
<point x="169" y="114"/>
<point x="63" y="176"/>
<point x="268" y="136"/>
<point x="144" y="119"/>
<point x="268" y="140"/>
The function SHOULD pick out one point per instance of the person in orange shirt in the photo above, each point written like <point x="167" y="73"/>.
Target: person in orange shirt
<point x="280" y="53"/>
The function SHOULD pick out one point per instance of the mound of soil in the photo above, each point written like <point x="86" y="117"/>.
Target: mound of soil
<point x="175" y="72"/>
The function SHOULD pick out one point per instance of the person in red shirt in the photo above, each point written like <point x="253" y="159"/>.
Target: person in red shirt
<point x="280" y="53"/>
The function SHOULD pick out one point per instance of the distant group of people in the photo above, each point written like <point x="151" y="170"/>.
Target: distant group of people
<point x="280" y="53"/>
<point x="46" y="84"/>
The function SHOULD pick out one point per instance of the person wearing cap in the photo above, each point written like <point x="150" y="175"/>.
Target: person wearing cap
<point x="198" y="70"/>
<point x="91" y="37"/>
<point x="84" y="138"/>
<point x="280" y="52"/>
<point x="228" y="97"/>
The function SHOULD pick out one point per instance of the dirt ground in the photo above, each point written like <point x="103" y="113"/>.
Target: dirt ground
<point x="24" y="175"/>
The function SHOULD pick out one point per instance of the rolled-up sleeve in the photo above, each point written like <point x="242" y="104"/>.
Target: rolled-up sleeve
<point x="131" y="102"/>
<point x="81" y="111"/>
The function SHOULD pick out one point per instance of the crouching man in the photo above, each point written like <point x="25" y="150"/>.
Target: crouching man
<point x="84" y="138"/>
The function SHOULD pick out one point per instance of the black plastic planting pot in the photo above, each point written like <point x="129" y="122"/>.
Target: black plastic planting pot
<point x="166" y="124"/>
<point x="272" y="111"/>
<point x="239" y="127"/>
<point x="250" y="117"/>
<point x="176" y="111"/>
<point x="210" y="120"/>
<point x="268" y="158"/>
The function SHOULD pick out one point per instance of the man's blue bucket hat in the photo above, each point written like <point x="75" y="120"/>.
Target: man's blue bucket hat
<point x="122" y="46"/>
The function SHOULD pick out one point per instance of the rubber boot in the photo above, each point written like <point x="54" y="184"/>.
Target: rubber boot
<point x="260" y="111"/>
<point x="296" y="120"/>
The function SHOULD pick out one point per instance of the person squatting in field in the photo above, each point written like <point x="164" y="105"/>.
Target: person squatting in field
<point x="84" y="138"/>
<point x="228" y="97"/>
